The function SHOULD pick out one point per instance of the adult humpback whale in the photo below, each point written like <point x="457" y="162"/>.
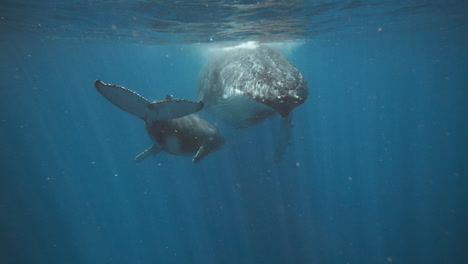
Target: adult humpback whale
<point x="171" y="123"/>
<point x="247" y="84"/>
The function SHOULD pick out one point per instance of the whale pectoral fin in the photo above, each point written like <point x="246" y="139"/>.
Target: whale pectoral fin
<point x="173" y="108"/>
<point x="153" y="150"/>
<point x="125" y="99"/>
<point x="202" y="152"/>
<point x="210" y="145"/>
<point x="286" y="125"/>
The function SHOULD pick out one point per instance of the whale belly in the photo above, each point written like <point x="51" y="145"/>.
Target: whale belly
<point x="240" y="111"/>
<point x="174" y="146"/>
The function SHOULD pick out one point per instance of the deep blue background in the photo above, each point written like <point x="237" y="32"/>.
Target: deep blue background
<point x="376" y="172"/>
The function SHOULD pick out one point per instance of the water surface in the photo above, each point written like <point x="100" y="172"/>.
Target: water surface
<point x="376" y="171"/>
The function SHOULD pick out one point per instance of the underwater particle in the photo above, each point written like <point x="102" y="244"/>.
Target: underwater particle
<point x="115" y="175"/>
<point x="350" y="178"/>
<point x="379" y="29"/>
<point x="114" y="27"/>
<point x="92" y="162"/>
<point x="389" y="259"/>
<point x="298" y="164"/>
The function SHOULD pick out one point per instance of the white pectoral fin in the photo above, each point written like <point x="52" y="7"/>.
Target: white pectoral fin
<point x="202" y="152"/>
<point x="173" y="108"/>
<point x="153" y="150"/>
<point x="125" y="99"/>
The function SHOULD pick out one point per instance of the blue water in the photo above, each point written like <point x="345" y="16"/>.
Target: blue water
<point x="375" y="173"/>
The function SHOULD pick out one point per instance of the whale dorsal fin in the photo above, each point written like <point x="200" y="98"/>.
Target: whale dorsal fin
<point x="123" y="98"/>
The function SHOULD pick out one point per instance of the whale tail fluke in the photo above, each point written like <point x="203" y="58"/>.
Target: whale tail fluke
<point x="137" y="105"/>
<point x="123" y="98"/>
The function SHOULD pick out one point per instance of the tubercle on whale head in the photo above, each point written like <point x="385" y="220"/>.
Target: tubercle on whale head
<point x="285" y="103"/>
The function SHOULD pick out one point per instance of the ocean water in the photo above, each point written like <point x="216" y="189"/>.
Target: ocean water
<point x="375" y="172"/>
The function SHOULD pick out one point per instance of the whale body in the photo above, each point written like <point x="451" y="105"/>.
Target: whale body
<point x="247" y="84"/>
<point x="173" y="124"/>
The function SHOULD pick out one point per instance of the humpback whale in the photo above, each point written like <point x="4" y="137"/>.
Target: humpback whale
<point x="247" y="84"/>
<point x="173" y="124"/>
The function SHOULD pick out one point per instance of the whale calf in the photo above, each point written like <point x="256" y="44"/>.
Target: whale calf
<point x="173" y="124"/>
<point x="247" y="84"/>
